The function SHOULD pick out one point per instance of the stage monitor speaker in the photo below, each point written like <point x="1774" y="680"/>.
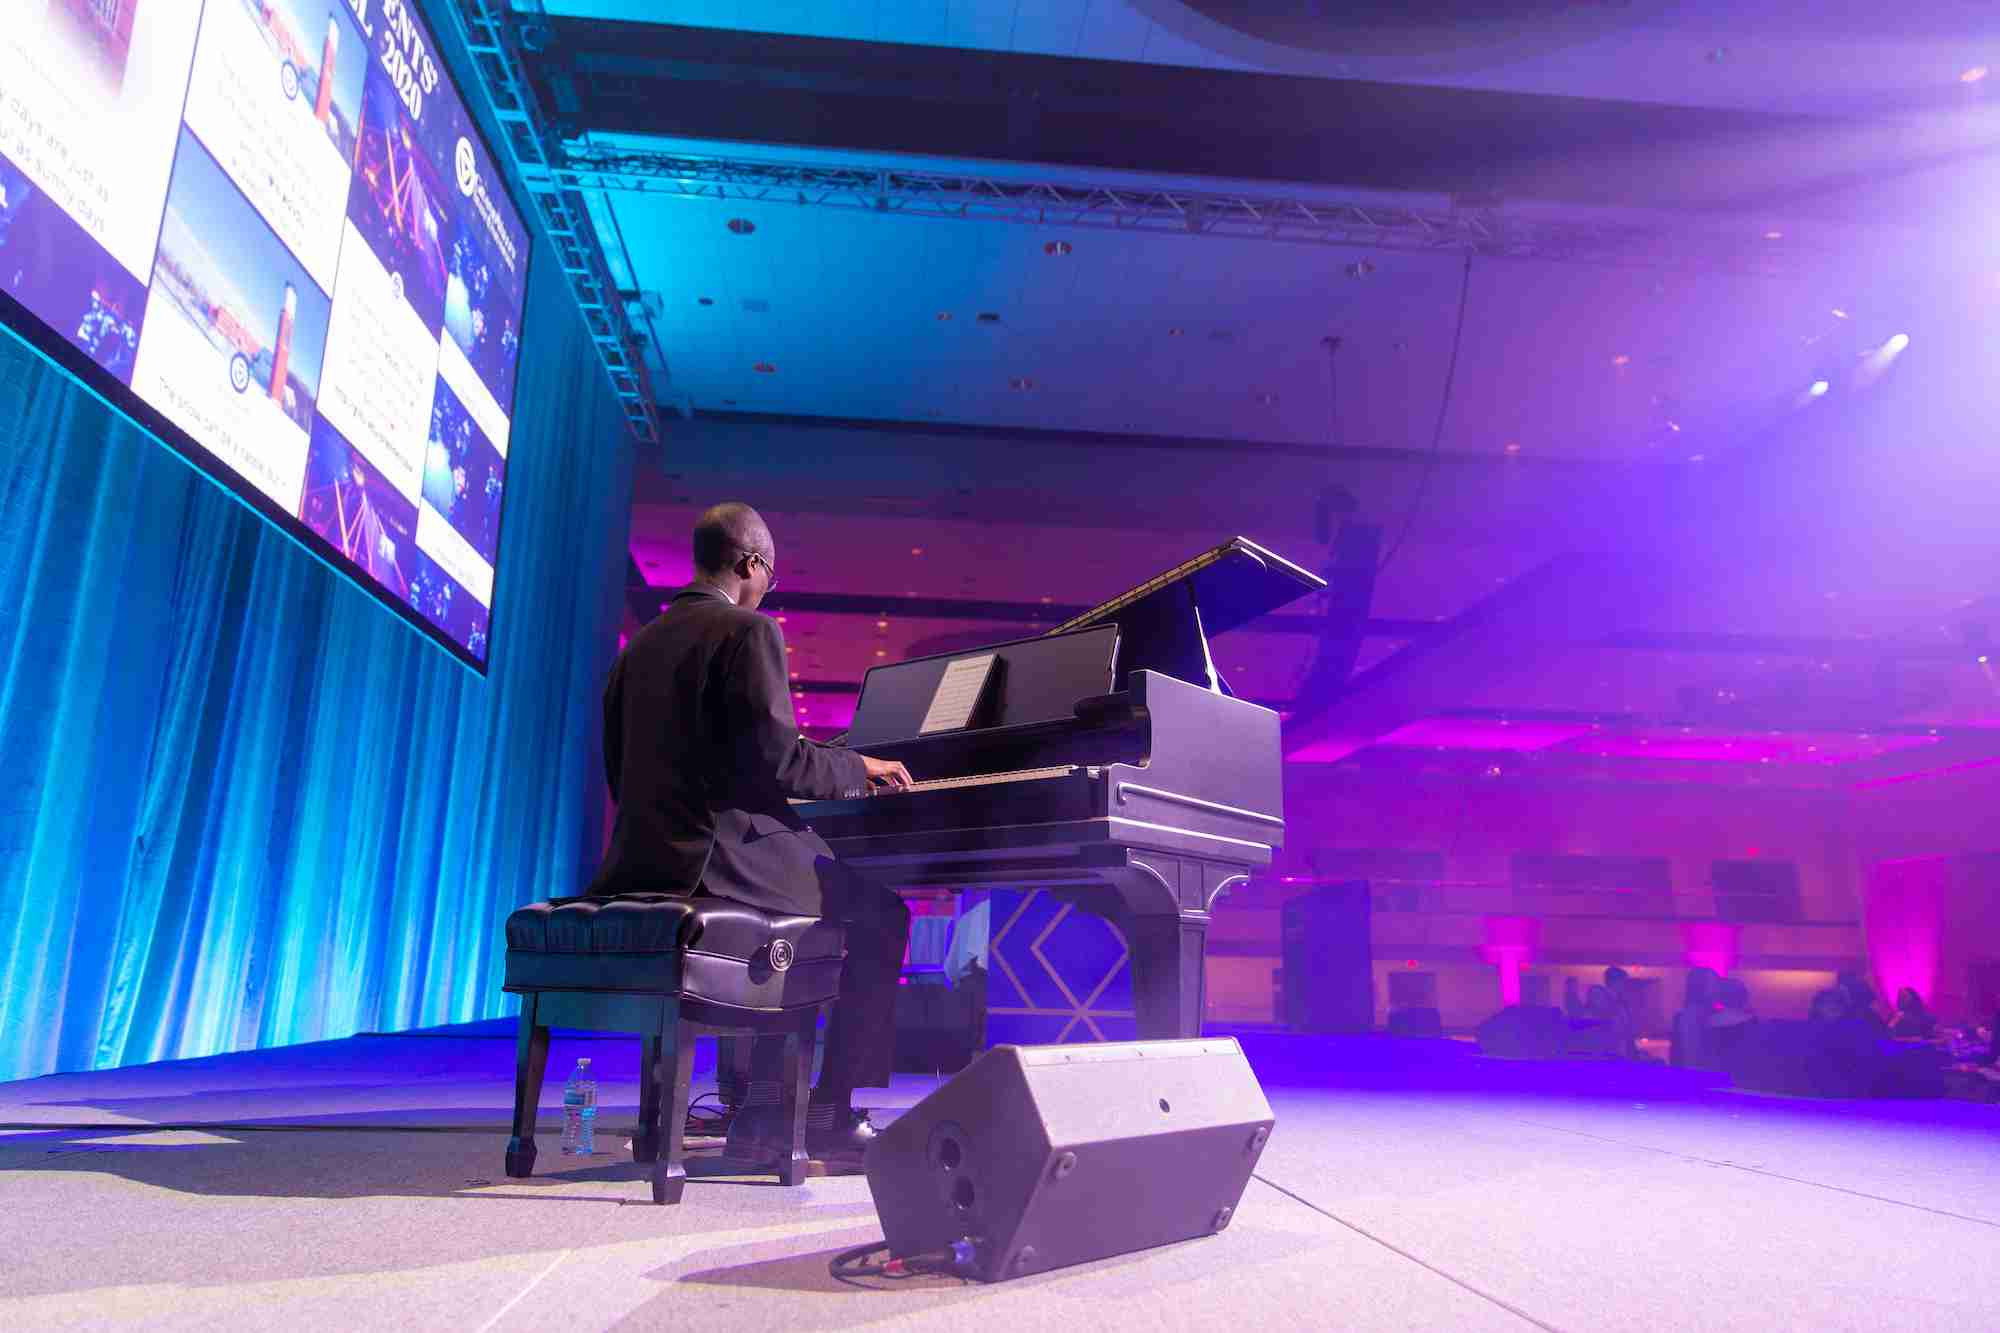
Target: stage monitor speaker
<point x="1329" y="974"/>
<point x="1045" y="1156"/>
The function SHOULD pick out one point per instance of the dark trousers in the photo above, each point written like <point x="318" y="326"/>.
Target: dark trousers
<point x="861" y="1030"/>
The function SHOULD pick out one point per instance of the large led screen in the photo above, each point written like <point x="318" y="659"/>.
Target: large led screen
<point x="269" y="231"/>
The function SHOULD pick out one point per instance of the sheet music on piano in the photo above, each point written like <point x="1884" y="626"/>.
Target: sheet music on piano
<point x="958" y="692"/>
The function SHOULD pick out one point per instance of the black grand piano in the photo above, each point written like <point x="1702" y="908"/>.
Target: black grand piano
<point x="1104" y="762"/>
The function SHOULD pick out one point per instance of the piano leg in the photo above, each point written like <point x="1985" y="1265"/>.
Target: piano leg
<point x="1169" y="980"/>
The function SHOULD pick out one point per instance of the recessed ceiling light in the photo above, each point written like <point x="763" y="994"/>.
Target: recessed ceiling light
<point x="765" y="368"/>
<point x="1513" y="446"/>
<point x="881" y="652"/>
<point x="1838" y="313"/>
<point x="1674" y="426"/>
<point x="1268" y="399"/>
<point x="1621" y="360"/>
<point x="1977" y="74"/>
<point x="1774" y="235"/>
<point x="1818" y="388"/>
<point x="916" y="550"/>
<point x="742" y="226"/>
<point x="1175" y="332"/>
<point x="1056" y="248"/>
<point x="1696" y="458"/>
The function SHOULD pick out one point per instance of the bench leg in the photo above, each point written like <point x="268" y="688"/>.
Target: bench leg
<point x="676" y="1042"/>
<point x="732" y="1070"/>
<point x="796" y="1096"/>
<point x="646" y="1142"/>
<point x="531" y="1060"/>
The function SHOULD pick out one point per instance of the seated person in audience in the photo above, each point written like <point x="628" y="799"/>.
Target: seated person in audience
<point x="1831" y="1005"/>
<point x="1689" y="1048"/>
<point x="1625" y="1011"/>
<point x="1572" y="998"/>
<point x="1731" y="1020"/>
<point x="1732" y="1004"/>
<point x="1912" y="1018"/>
<point x="1594" y="1031"/>
<point x="1860" y="998"/>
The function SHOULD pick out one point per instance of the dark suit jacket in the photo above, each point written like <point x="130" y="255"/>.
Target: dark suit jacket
<point x="701" y="751"/>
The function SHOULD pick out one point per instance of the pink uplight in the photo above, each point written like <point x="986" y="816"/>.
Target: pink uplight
<point x="1510" y="943"/>
<point x="1711" y="944"/>
<point x="1903" y="922"/>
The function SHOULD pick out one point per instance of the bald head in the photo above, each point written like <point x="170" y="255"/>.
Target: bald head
<point x="725" y="533"/>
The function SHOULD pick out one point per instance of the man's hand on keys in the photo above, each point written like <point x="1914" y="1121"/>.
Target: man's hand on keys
<point x="885" y="774"/>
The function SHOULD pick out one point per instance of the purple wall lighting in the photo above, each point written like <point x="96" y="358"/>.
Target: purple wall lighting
<point x="1904" y="923"/>
<point x="1711" y="944"/>
<point x="1510" y="946"/>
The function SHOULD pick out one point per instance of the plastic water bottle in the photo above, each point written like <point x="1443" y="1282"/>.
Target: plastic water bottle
<point x="580" y="1112"/>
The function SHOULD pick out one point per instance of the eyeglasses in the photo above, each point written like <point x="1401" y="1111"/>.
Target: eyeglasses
<point x="770" y="570"/>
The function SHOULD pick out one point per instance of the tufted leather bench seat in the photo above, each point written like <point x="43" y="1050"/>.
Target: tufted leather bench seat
<point x="670" y="968"/>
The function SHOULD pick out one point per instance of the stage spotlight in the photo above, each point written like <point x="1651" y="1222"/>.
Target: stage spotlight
<point x="1819" y="388"/>
<point x="1876" y="363"/>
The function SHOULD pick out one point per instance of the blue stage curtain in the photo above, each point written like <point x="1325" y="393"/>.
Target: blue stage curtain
<point x="241" y="804"/>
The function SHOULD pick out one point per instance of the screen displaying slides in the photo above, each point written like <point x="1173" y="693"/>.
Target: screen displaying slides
<point x="274" y="223"/>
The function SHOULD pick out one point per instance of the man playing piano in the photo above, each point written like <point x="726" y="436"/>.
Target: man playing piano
<point x="702" y="754"/>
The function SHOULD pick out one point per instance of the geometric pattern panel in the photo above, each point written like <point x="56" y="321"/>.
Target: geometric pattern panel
<point x="1054" y="974"/>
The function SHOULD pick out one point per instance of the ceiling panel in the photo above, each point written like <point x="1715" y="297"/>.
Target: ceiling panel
<point x="879" y="316"/>
<point x="1827" y="58"/>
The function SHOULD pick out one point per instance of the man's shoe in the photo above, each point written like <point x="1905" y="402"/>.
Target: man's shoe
<point x="836" y="1138"/>
<point x="839" y="1138"/>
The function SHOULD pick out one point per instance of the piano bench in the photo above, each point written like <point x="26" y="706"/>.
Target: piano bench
<point x="671" y="969"/>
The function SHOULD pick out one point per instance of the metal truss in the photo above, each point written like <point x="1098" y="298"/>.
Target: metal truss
<point x="1479" y="227"/>
<point x="488" y="28"/>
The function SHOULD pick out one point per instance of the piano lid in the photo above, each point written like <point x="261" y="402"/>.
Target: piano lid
<point x="1165" y="622"/>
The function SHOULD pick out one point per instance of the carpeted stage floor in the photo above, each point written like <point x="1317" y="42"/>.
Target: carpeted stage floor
<point x="358" y="1184"/>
